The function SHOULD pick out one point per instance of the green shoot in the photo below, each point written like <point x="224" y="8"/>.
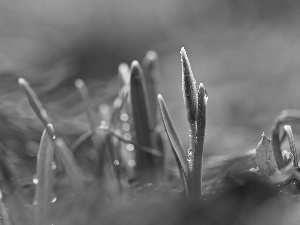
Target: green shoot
<point x="177" y="148"/>
<point x="145" y="163"/>
<point x="190" y="101"/>
<point x="90" y="112"/>
<point x="198" y="156"/>
<point x="44" y="187"/>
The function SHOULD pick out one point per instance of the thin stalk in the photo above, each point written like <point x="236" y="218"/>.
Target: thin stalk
<point x="45" y="177"/>
<point x="36" y="105"/>
<point x="92" y="116"/>
<point x="70" y="165"/>
<point x="180" y="154"/>
<point x="198" y="156"/>
<point x="150" y="66"/>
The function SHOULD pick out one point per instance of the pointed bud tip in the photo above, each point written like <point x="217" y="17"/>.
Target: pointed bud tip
<point x="136" y="69"/>
<point x="159" y="96"/>
<point x="182" y="51"/>
<point x="201" y="85"/>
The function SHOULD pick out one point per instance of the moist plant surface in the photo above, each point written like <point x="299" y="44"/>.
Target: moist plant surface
<point x="114" y="169"/>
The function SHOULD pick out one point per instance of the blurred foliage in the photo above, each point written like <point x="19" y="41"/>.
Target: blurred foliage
<point x="246" y="52"/>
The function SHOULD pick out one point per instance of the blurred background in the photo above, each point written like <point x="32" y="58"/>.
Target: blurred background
<point x="247" y="54"/>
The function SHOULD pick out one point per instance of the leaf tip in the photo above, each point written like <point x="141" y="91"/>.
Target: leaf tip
<point x="151" y="55"/>
<point x="22" y="81"/>
<point x="79" y="83"/>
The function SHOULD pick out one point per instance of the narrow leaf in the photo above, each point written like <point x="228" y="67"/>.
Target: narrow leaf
<point x="92" y="116"/>
<point x="150" y="65"/>
<point x="35" y="103"/>
<point x="70" y="165"/>
<point x="174" y="139"/>
<point x="44" y="187"/>
<point x="145" y="166"/>
<point x="198" y="156"/>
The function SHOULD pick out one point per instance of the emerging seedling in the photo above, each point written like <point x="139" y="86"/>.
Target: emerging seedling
<point x="62" y="151"/>
<point x="145" y="163"/>
<point x="190" y="162"/>
<point x="45" y="178"/>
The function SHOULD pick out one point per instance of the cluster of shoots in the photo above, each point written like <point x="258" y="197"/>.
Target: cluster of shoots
<point x="190" y="161"/>
<point x="128" y="143"/>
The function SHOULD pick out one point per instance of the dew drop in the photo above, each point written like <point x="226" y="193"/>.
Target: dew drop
<point x="130" y="147"/>
<point x="35" y="181"/>
<point x="124" y="117"/>
<point x="116" y="162"/>
<point x="127" y="136"/>
<point x="126" y="127"/>
<point x="131" y="163"/>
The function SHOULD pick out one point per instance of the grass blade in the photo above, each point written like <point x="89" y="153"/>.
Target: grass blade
<point x="145" y="162"/>
<point x="291" y="139"/>
<point x="44" y="188"/>
<point x="150" y="65"/>
<point x="35" y="103"/>
<point x="92" y="116"/>
<point x="178" y="150"/>
<point x="198" y="156"/>
<point x="70" y="165"/>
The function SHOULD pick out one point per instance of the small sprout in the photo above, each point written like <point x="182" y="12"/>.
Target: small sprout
<point x="145" y="163"/>
<point x="180" y="155"/>
<point x="150" y="66"/>
<point x="35" y="103"/>
<point x="198" y="155"/>
<point x="45" y="177"/>
<point x="89" y="108"/>
<point x="190" y="100"/>
<point x="188" y="88"/>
